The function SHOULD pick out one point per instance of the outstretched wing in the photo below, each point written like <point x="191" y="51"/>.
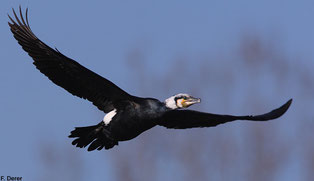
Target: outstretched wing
<point x="64" y="71"/>
<point x="181" y="119"/>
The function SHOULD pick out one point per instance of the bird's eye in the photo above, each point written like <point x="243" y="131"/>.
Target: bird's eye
<point x="185" y="98"/>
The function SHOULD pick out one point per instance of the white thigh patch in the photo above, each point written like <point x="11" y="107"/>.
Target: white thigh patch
<point x="108" y="117"/>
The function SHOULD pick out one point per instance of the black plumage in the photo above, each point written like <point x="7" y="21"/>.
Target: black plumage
<point x="127" y="116"/>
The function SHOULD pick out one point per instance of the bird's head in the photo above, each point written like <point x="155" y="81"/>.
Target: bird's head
<point x="181" y="101"/>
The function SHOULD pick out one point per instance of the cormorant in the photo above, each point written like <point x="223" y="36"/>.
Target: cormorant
<point x="126" y="116"/>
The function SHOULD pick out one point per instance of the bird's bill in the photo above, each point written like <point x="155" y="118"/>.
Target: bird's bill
<point x="190" y="101"/>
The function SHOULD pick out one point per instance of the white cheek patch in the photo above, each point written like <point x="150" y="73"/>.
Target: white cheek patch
<point x="170" y="103"/>
<point x="108" y="117"/>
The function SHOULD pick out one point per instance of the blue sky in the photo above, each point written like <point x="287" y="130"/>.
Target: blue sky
<point x="101" y="35"/>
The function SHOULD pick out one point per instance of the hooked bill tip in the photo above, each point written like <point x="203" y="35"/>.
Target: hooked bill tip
<point x="196" y="100"/>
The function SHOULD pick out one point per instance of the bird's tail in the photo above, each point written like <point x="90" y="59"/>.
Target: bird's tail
<point x="97" y="135"/>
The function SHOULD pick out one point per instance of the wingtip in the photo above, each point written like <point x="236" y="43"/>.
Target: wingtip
<point x="12" y="21"/>
<point x="283" y="109"/>
<point x="10" y="24"/>
<point x="288" y="103"/>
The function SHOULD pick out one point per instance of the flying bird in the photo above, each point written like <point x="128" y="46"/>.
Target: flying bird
<point x="127" y="116"/>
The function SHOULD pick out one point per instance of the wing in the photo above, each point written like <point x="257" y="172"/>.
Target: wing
<point x="64" y="71"/>
<point x="181" y="119"/>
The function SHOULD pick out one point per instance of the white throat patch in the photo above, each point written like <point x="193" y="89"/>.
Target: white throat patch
<point x="108" y="117"/>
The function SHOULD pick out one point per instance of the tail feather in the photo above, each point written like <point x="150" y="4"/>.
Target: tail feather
<point x="97" y="144"/>
<point x="96" y="136"/>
